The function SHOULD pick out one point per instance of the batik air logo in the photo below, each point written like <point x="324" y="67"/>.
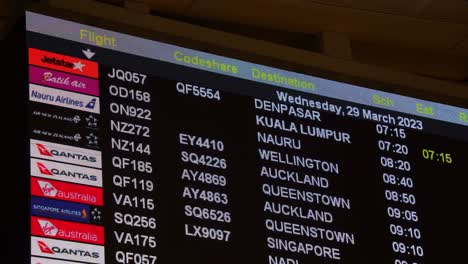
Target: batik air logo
<point x="65" y="250"/>
<point x="62" y="62"/>
<point x="67" y="230"/>
<point x="65" y="153"/>
<point x="66" y="172"/>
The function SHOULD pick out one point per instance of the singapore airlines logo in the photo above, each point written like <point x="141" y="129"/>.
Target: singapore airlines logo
<point x="48" y="228"/>
<point x="47" y="188"/>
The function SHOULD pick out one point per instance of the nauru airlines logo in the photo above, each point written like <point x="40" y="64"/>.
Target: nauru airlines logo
<point x="64" y="153"/>
<point x="67" y="230"/>
<point x="65" y="172"/>
<point x="64" y="63"/>
<point x="62" y="98"/>
<point x="66" y="191"/>
<point x="66" y="250"/>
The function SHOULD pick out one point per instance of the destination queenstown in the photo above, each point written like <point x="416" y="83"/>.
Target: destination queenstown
<point x="290" y="110"/>
<point x="299" y="161"/>
<point x="302" y="129"/>
<point x="298" y="212"/>
<point x="294" y="177"/>
<point x="272" y="190"/>
<point x="277" y="226"/>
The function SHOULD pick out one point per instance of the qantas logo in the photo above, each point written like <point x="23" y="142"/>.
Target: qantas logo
<point x="55" y="171"/>
<point x="66" y="250"/>
<point x="65" y="153"/>
<point x="43" y="150"/>
<point x="44" y="248"/>
<point x="66" y="172"/>
<point x="43" y="169"/>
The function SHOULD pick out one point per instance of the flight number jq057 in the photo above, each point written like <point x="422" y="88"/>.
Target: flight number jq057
<point x="127" y="76"/>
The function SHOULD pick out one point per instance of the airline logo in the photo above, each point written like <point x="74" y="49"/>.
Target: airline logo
<point x="59" y="249"/>
<point x="61" y="210"/>
<point x="66" y="191"/>
<point x="64" y="63"/>
<point x="65" y="153"/>
<point x="60" y="117"/>
<point x="36" y="260"/>
<point x="76" y="101"/>
<point x="67" y="230"/>
<point x="66" y="172"/>
<point x="63" y="81"/>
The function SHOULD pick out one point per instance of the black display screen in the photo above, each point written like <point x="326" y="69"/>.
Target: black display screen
<point x="144" y="152"/>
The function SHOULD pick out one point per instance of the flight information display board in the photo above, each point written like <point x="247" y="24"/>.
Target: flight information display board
<point x="144" y="152"/>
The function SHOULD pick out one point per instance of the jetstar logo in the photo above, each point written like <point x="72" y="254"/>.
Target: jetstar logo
<point x="61" y="62"/>
<point x="67" y="230"/>
<point x="66" y="172"/>
<point x="66" y="191"/>
<point x="64" y="153"/>
<point x="64" y="63"/>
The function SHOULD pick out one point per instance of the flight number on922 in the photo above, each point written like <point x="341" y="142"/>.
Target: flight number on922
<point x="127" y="76"/>
<point x="185" y="88"/>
